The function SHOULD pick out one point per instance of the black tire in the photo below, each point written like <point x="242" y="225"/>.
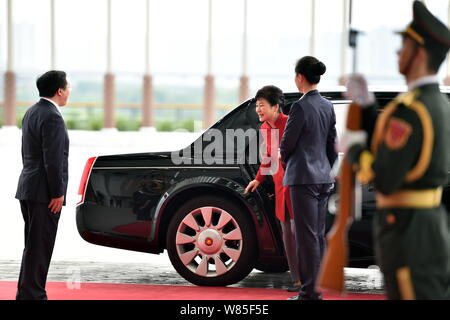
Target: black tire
<point x="237" y="269"/>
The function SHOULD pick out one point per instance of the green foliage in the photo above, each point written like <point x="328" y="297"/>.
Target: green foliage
<point x="80" y="119"/>
<point x="165" y="126"/>
<point x="74" y="123"/>
<point x="19" y="120"/>
<point x="95" y="124"/>
<point x="71" y="124"/>
<point x="124" y="124"/>
<point x="188" y="124"/>
<point x="89" y="90"/>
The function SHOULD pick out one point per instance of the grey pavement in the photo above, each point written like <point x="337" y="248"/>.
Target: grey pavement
<point x="356" y="280"/>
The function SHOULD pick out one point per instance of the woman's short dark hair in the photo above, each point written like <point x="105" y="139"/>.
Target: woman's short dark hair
<point x="49" y="83"/>
<point x="272" y="94"/>
<point x="310" y="68"/>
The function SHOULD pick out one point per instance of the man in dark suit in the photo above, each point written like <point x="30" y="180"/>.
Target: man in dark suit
<point x="43" y="182"/>
<point x="307" y="147"/>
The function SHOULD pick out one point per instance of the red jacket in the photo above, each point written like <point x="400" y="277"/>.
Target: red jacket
<point x="282" y="194"/>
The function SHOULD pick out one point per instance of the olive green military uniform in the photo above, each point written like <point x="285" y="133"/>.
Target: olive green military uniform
<point x="412" y="240"/>
<point x="410" y="146"/>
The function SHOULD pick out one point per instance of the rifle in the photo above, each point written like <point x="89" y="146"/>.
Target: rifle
<point x="331" y="274"/>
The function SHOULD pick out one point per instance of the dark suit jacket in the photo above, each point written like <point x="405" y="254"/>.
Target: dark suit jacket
<point x="308" y="143"/>
<point x="45" y="152"/>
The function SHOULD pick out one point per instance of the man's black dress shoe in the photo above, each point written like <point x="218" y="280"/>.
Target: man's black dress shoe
<point x="295" y="287"/>
<point x="306" y="298"/>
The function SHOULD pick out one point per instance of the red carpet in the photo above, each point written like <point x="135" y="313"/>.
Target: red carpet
<point x="112" y="291"/>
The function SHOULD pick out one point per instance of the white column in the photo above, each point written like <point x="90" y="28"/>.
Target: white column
<point x="109" y="38"/>
<point x="147" y="87"/>
<point x="312" y="40"/>
<point x="447" y="78"/>
<point x="10" y="38"/>
<point x="244" y="90"/>
<point x="209" y="89"/>
<point x="52" y="36"/>
<point x="244" y="41"/>
<point x="10" y="76"/>
<point x="109" y="122"/>
<point x="448" y="55"/>
<point x="344" y="41"/>
<point x="209" y="48"/>
<point x="147" y="37"/>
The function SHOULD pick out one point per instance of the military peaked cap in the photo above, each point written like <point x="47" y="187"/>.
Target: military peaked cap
<point x="428" y="31"/>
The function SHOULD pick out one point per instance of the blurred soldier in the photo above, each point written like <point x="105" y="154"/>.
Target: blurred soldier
<point x="408" y="162"/>
<point x="43" y="182"/>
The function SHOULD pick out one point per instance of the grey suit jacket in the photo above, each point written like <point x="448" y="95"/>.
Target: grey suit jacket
<point x="308" y="144"/>
<point x="45" y="152"/>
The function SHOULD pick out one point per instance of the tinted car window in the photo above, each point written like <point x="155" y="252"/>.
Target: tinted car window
<point x="233" y="133"/>
<point x="247" y="120"/>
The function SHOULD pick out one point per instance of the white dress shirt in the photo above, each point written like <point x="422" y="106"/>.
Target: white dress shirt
<point x="423" y="81"/>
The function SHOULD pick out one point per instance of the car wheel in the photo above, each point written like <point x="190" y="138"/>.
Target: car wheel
<point x="211" y="242"/>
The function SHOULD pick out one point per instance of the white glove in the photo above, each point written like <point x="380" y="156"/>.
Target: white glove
<point x="351" y="138"/>
<point x="358" y="92"/>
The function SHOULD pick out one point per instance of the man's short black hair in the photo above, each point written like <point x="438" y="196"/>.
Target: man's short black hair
<point x="435" y="60"/>
<point x="272" y="94"/>
<point x="49" y="83"/>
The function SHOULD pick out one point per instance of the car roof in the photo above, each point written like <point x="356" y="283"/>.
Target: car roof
<point x="379" y="88"/>
<point x="338" y="95"/>
<point x="381" y="92"/>
<point x="335" y="94"/>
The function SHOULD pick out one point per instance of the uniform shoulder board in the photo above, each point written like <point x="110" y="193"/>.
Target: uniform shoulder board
<point x="407" y="98"/>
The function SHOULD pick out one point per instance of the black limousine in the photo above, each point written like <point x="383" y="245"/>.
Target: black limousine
<point x="194" y="206"/>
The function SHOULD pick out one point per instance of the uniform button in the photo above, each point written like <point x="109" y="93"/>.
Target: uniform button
<point x="390" y="219"/>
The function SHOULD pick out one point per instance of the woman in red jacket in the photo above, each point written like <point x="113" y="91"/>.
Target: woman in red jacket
<point x="268" y="102"/>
